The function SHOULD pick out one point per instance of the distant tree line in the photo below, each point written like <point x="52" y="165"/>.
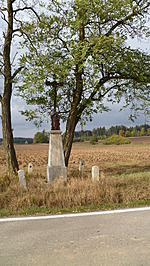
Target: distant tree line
<point x="102" y="132"/>
<point x="90" y="135"/>
<point x="20" y="140"/>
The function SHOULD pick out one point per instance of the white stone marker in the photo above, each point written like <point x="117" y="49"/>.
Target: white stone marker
<point x="95" y="173"/>
<point x="30" y="168"/>
<point x="22" y="179"/>
<point x="56" y="162"/>
<point x="81" y="167"/>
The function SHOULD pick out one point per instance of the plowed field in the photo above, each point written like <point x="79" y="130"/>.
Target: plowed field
<point x="134" y="156"/>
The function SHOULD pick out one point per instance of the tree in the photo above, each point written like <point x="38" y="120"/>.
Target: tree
<point x="93" y="139"/>
<point x="121" y="133"/>
<point x="83" y="45"/>
<point x="41" y="137"/>
<point x="9" y="10"/>
<point x="148" y="132"/>
<point x="142" y="131"/>
<point x="133" y="133"/>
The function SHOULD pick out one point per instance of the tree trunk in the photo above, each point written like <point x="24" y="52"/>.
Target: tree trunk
<point x="69" y="134"/>
<point x="74" y="115"/>
<point x="10" y="154"/>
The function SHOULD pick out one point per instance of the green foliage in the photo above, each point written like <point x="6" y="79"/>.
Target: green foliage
<point x="117" y="140"/>
<point x="93" y="140"/>
<point x="128" y="133"/>
<point x="110" y="69"/>
<point x="41" y="137"/>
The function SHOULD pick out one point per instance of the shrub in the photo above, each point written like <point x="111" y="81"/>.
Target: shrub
<point x="93" y="139"/>
<point x="117" y="140"/>
<point x="41" y="137"/>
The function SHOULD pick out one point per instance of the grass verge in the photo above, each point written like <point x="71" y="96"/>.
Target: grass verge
<point x="77" y="209"/>
<point x="74" y="195"/>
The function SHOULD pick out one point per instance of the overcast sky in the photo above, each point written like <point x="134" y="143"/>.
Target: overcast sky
<point x="22" y="128"/>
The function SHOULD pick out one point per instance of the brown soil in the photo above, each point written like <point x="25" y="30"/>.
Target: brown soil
<point x="135" y="156"/>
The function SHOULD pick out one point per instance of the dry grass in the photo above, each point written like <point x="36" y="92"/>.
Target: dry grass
<point x="125" y="177"/>
<point x="74" y="192"/>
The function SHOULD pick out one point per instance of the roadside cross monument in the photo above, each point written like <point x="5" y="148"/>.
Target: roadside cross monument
<point x="56" y="162"/>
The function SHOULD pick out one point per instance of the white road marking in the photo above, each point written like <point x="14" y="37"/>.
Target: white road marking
<point x="72" y="215"/>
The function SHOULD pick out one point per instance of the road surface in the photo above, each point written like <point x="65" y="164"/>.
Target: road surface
<point x="94" y="240"/>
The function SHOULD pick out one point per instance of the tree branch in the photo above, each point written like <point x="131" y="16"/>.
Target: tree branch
<point x="27" y="8"/>
<point x="4" y="17"/>
<point x="24" y="33"/>
<point x="3" y="9"/>
<point x="64" y="43"/>
<point x="95" y="90"/>
<point x="16" y="72"/>
<point x="0" y="98"/>
<point x="122" y="21"/>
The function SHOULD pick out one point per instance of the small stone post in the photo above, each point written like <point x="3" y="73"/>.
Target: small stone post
<point x="95" y="173"/>
<point x="81" y="167"/>
<point x="22" y="179"/>
<point x="30" y="168"/>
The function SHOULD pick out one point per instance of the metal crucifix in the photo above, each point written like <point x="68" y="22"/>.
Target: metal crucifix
<point x="55" y="119"/>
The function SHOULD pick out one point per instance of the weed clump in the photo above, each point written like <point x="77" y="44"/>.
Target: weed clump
<point x="4" y="183"/>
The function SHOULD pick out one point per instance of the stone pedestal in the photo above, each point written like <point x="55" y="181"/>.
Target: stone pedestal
<point x="56" y="163"/>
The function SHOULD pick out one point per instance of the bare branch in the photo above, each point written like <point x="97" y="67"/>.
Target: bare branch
<point x="27" y="8"/>
<point x="16" y="30"/>
<point x="14" y="58"/>
<point x="16" y="72"/>
<point x="17" y="34"/>
<point x="24" y="33"/>
<point x="64" y="43"/>
<point x="1" y="72"/>
<point x="4" y="17"/>
<point x="0" y="98"/>
<point x="3" y="9"/>
<point x="116" y="86"/>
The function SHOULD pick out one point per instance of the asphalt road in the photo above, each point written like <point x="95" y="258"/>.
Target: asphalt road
<point x="108" y="239"/>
